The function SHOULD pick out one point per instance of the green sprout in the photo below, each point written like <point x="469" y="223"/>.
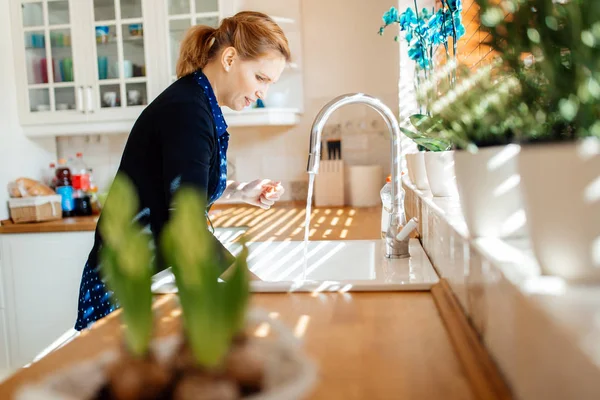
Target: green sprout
<point x="127" y="264"/>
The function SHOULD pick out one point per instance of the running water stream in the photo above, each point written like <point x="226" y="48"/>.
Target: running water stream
<point x="311" y="182"/>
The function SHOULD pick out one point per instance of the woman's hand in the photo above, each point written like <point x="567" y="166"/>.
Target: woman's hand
<point x="262" y="193"/>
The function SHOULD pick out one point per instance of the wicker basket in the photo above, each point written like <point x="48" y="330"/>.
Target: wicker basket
<point x="35" y="209"/>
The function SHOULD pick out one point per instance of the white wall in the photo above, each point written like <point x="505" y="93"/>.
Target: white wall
<point x="19" y="156"/>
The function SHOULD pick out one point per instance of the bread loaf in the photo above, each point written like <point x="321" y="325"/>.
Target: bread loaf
<point x="25" y="187"/>
<point x="40" y="190"/>
<point x="14" y="190"/>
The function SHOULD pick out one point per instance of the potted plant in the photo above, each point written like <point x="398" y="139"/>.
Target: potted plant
<point x="480" y="117"/>
<point x="425" y="31"/>
<point x="415" y="163"/>
<point x="553" y="48"/>
<point x="433" y="165"/>
<point x="214" y="356"/>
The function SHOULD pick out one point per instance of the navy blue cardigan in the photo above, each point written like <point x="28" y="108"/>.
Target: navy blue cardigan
<point x="173" y="142"/>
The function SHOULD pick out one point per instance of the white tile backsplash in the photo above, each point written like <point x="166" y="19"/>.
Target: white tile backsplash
<point x="247" y="168"/>
<point x="102" y="153"/>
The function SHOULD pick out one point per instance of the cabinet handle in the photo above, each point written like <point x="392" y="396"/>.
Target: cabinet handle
<point x="80" y="99"/>
<point x="90" y="100"/>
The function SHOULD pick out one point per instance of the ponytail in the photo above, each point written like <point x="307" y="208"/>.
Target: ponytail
<point x="194" y="50"/>
<point x="251" y="33"/>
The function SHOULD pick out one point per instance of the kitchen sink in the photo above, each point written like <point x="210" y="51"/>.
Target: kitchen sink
<point x="351" y="265"/>
<point x="227" y="235"/>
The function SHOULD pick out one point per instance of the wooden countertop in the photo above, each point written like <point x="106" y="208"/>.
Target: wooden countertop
<point x="72" y="224"/>
<point x="285" y="220"/>
<point x="367" y="345"/>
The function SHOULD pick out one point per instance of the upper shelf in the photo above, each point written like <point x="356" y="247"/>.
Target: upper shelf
<point x="262" y="117"/>
<point x="283" y="20"/>
<point x="249" y="117"/>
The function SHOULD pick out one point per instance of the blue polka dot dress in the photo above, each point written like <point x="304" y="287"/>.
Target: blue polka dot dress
<point x="95" y="301"/>
<point x="222" y="135"/>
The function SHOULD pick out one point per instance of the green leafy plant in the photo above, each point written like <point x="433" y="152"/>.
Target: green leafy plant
<point x="425" y="135"/>
<point x="553" y="48"/>
<point x="483" y="109"/>
<point x="128" y="264"/>
<point x="213" y="312"/>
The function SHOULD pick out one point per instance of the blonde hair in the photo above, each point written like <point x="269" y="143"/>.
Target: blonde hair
<point x="252" y="34"/>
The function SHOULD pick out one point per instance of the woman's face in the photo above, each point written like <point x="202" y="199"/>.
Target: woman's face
<point x="249" y="80"/>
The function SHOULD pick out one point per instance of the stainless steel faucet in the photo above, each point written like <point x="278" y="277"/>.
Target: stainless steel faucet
<point x="395" y="247"/>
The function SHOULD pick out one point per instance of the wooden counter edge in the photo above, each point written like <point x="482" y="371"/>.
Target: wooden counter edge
<point x="73" y="224"/>
<point x="483" y="374"/>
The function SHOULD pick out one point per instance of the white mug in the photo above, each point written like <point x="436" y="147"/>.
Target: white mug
<point x="134" y="97"/>
<point x="110" y="99"/>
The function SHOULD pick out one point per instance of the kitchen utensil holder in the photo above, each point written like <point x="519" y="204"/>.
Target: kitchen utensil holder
<point x="329" y="184"/>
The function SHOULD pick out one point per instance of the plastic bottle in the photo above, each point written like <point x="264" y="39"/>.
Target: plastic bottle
<point x="83" y="204"/>
<point x="81" y="177"/>
<point x="81" y="186"/>
<point x="93" y="193"/>
<point x="64" y="187"/>
<point x="50" y="176"/>
<point x="386" y="200"/>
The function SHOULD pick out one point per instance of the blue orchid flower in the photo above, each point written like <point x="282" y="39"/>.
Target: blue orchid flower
<point x="435" y="20"/>
<point x="460" y="30"/>
<point x="425" y="14"/>
<point x="416" y="52"/>
<point x="454" y="5"/>
<point x="407" y="19"/>
<point x="426" y="29"/>
<point x="391" y="16"/>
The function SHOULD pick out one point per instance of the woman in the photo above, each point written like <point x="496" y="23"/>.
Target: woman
<point x="181" y="137"/>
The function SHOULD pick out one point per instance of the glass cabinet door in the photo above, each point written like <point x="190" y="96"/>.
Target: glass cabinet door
<point x="49" y="63"/>
<point x="121" y="80"/>
<point x="183" y="14"/>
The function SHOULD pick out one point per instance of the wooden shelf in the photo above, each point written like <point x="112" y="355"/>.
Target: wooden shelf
<point x="262" y="117"/>
<point x="283" y="20"/>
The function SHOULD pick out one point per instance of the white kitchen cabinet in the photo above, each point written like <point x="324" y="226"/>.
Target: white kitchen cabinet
<point x="99" y="71"/>
<point x="42" y="31"/>
<point x="110" y="58"/>
<point x="40" y="276"/>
